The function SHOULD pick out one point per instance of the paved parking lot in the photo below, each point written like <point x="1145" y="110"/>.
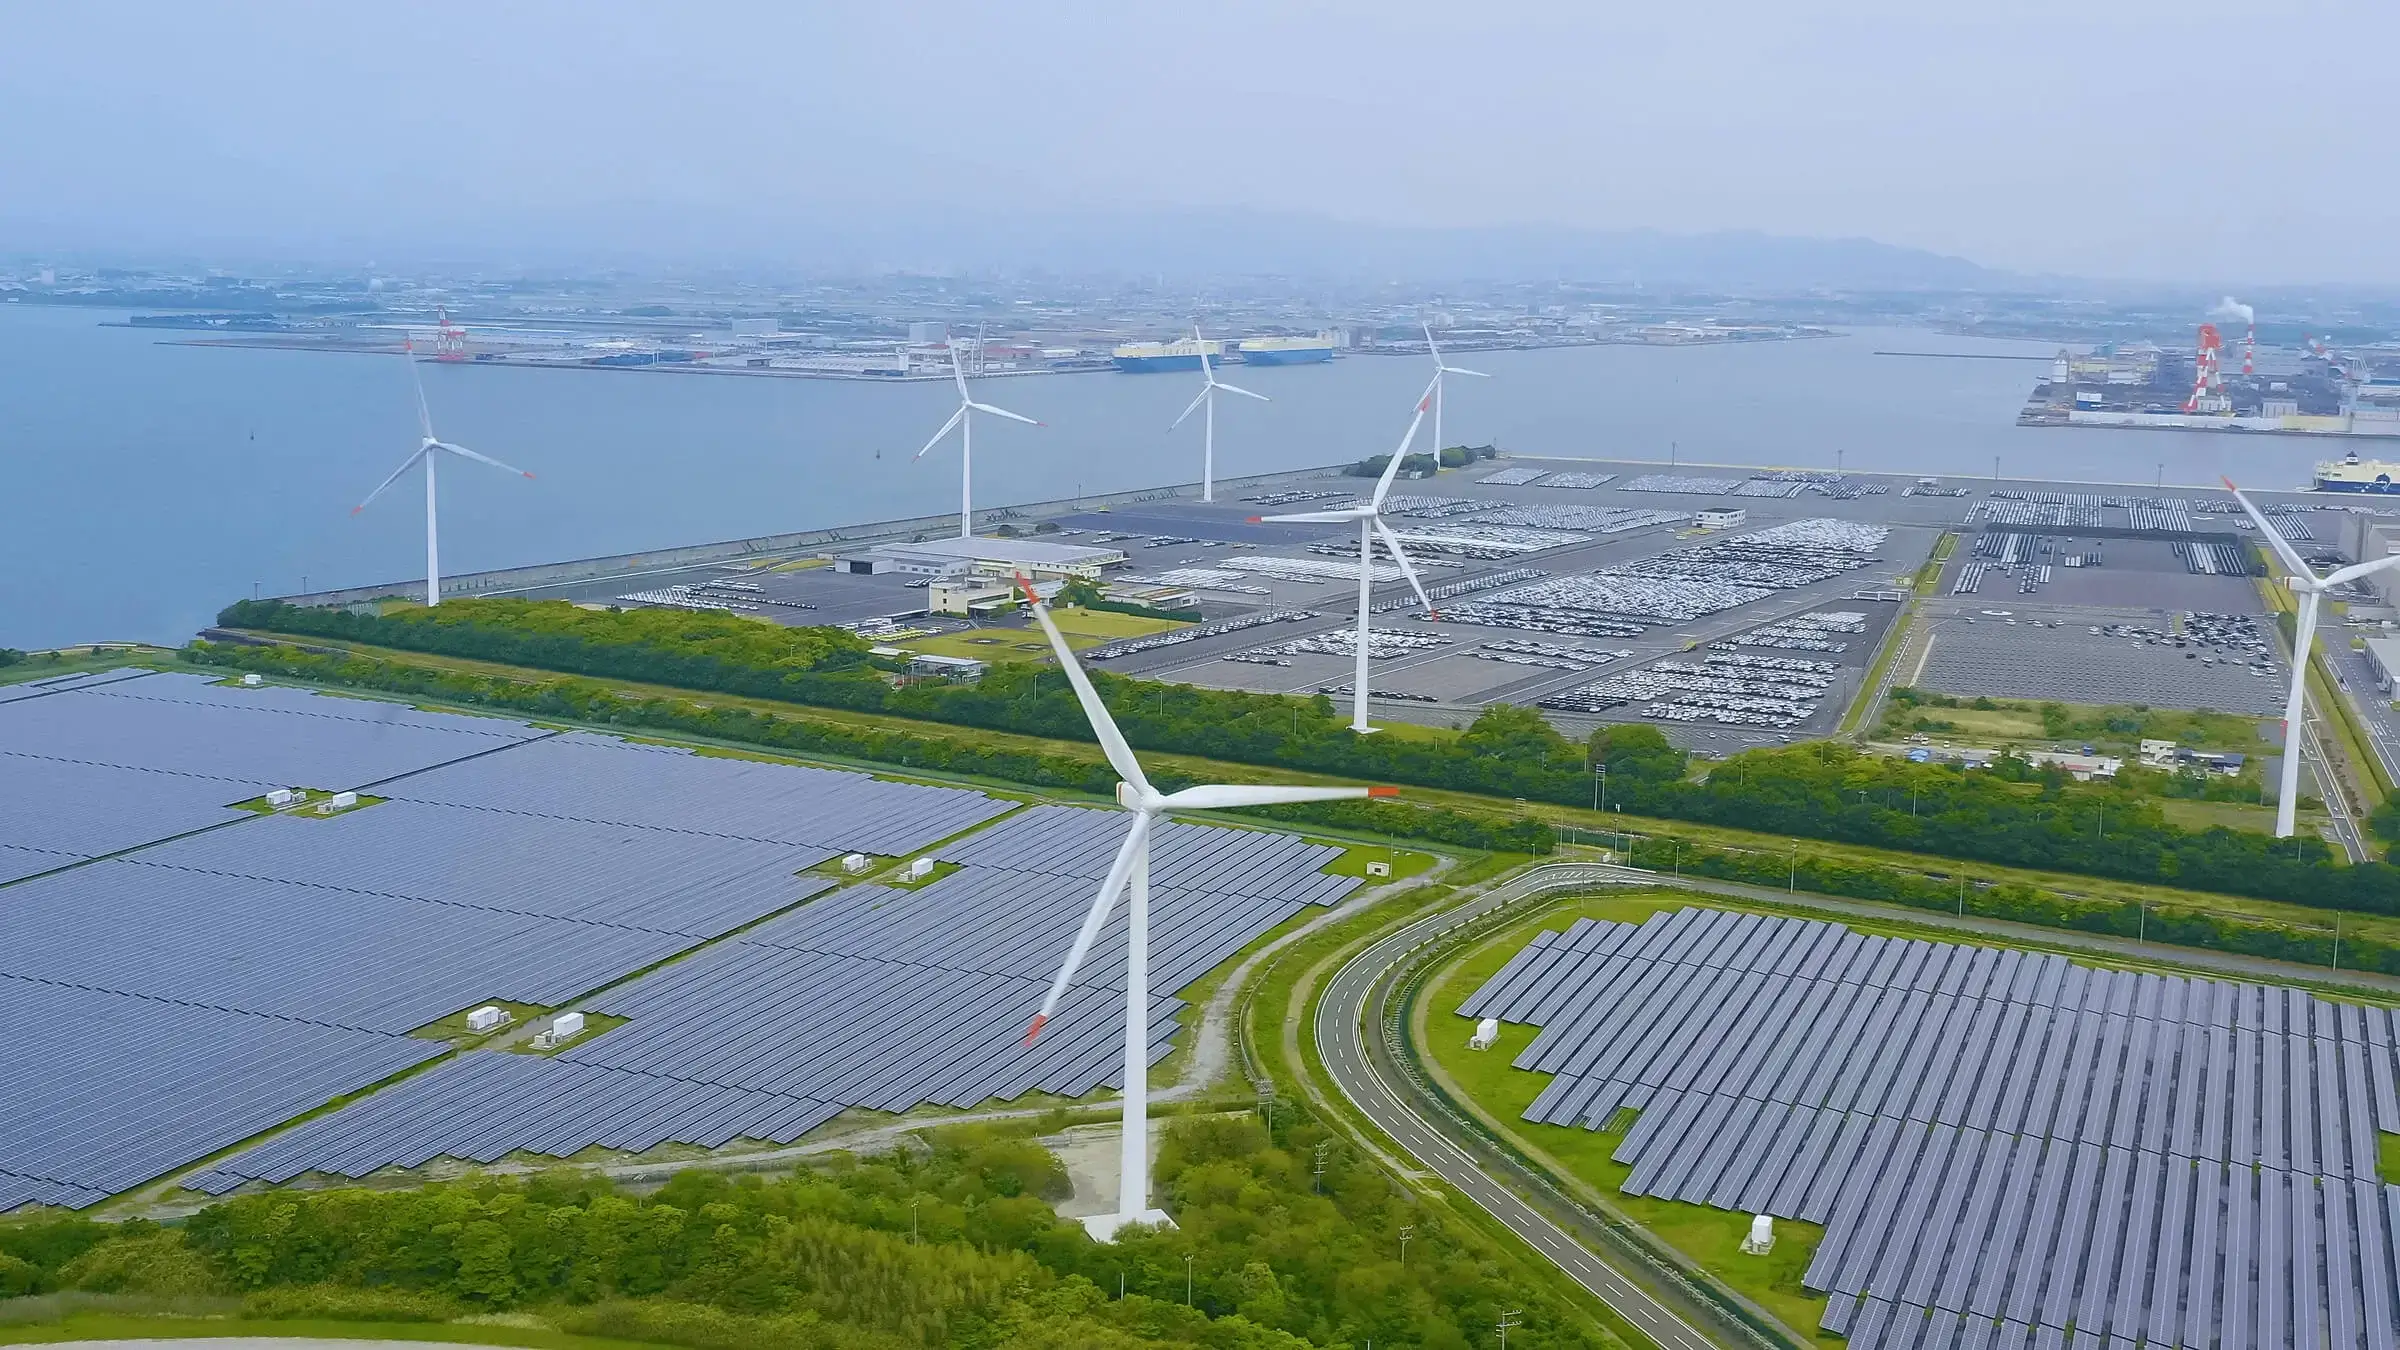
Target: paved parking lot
<point x="1980" y="656"/>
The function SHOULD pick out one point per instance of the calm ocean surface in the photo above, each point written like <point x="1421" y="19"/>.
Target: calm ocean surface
<point x="148" y="484"/>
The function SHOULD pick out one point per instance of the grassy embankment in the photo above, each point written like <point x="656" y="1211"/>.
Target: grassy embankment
<point x="1275" y="1031"/>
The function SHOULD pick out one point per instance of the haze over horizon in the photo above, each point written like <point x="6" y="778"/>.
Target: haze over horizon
<point x="2198" y="140"/>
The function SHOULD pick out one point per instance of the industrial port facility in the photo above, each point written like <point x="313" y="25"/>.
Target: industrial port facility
<point x="2225" y="382"/>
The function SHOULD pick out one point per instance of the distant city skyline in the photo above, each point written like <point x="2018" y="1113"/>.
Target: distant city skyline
<point x="2193" y="141"/>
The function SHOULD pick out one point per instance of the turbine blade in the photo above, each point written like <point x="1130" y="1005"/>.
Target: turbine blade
<point x="947" y="427"/>
<point x="478" y="456"/>
<point x="1202" y="343"/>
<point x="2283" y="547"/>
<point x="1094" y="919"/>
<point x="958" y="369"/>
<point x="1190" y="408"/>
<point x="1313" y="518"/>
<point x="1236" y="389"/>
<point x="1211" y="797"/>
<point x="1407" y="568"/>
<point x="424" y="413"/>
<point x="1003" y="412"/>
<point x="2356" y="570"/>
<point x="405" y="466"/>
<point x="1104" y="727"/>
<point x="1462" y="370"/>
<point x="1383" y="486"/>
<point x="1430" y="346"/>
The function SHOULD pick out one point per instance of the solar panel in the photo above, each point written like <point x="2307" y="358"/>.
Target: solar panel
<point x="2086" y="1136"/>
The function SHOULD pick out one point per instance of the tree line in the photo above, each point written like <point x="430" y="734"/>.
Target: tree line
<point x="1291" y="1240"/>
<point x="2011" y="813"/>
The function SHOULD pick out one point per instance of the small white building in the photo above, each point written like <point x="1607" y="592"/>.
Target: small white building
<point x="2157" y="754"/>
<point x="1487" y="1034"/>
<point x="487" y="1018"/>
<point x="920" y="869"/>
<point x="566" y="1025"/>
<point x="1722" y="517"/>
<point x="856" y="863"/>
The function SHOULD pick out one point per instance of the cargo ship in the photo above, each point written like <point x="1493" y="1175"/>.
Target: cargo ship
<point x="1287" y="351"/>
<point x="2352" y="474"/>
<point x="1145" y="357"/>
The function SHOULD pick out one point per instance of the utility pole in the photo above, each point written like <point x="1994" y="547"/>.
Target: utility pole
<point x="1511" y="1318"/>
<point x="912" y="1222"/>
<point x="1316" y="1169"/>
<point x="1599" y="784"/>
<point x="1793" y="883"/>
<point x="1187" y="1281"/>
<point x="1407" y="1231"/>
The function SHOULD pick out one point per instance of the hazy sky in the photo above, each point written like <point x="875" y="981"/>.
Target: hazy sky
<point x="2177" y="139"/>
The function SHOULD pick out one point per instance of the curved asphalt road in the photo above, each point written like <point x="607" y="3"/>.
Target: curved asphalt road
<point x="1341" y="1032"/>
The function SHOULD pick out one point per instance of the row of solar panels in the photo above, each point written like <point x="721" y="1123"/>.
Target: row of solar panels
<point x="485" y="1105"/>
<point x="874" y="997"/>
<point x="2090" y="1184"/>
<point x="2206" y="1092"/>
<point x="579" y="776"/>
<point x="1529" y="989"/>
<point x="2123" y="1248"/>
<point x="101" y="1092"/>
<point x="1070" y="841"/>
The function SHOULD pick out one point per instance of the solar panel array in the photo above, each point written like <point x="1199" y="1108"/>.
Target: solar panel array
<point x="118" y="761"/>
<point x="189" y="994"/>
<point x="2006" y="1149"/>
<point x="585" y="777"/>
<point x="877" y="997"/>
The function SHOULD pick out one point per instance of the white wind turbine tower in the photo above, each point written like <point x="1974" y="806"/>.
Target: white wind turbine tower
<point x="2305" y="582"/>
<point x="1131" y="873"/>
<point x="964" y="420"/>
<point x="426" y="450"/>
<point x="1368" y="515"/>
<point x="1441" y="369"/>
<point x="1207" y="397"/>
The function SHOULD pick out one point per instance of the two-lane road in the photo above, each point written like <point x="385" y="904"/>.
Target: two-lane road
<point x="1342" y="1027"/>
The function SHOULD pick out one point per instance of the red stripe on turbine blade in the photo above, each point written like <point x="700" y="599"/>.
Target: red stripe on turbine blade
<point x="1383" y="792"/>
<point x="1258" y="520"/>
<point x="1036" y="1028"/>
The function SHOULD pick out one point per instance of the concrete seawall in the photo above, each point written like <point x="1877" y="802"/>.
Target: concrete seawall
<point x="512" y="580"/>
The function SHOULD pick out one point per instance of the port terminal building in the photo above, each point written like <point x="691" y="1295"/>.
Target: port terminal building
<point x="1038" y="559"/>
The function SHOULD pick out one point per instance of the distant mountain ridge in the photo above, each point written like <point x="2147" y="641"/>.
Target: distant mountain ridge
<point x="1221" y="243"/>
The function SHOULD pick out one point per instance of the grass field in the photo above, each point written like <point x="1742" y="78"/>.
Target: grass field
<point x="2119" y="728"/>
<point x="1353" y="862"/>
<point x="1082" y="628"/>
<point x="453" y="1028"/>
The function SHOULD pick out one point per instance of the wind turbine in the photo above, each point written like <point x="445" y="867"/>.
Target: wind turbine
<point x="1207" y="397"/>
<point x="1368" y="515"/>
<point x="426" y="446"/>
<point x="1440" y="369"/>
<point x="964" y="420"/>
<point x="1131" y="873"/>
<point x="2305" y="582"/>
